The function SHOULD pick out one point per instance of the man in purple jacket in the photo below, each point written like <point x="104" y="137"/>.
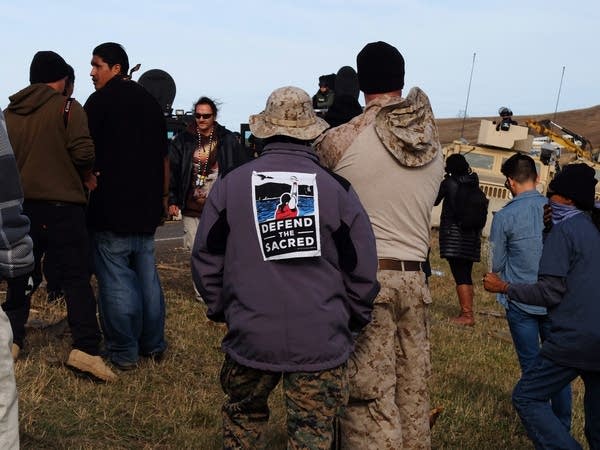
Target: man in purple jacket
<point x="285" y="256"/>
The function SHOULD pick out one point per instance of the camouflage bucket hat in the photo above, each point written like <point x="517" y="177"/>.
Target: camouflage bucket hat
<point x="288" y="112"/>
<point x="408" y="129"/>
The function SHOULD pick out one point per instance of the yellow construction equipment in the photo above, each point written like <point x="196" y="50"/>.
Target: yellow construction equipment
<point x="570" y="141"/>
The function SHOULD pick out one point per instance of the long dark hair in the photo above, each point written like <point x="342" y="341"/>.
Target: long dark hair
<point x="212" y="156"/>
<point x="207" y="101"/>
<point x="284" y="200"/>
<point x="457" y="165"/>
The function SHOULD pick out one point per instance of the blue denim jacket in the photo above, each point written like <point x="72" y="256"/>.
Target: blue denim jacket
<point x="516" y="243"/>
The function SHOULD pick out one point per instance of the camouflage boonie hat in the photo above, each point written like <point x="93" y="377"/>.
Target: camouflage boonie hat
<point x="408" y="130"/>
<point x="289" y="112"/>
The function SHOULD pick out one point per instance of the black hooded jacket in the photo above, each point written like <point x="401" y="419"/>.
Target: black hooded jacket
<point x="130" y="134"/>
<point x="343" y="109"/>
<point x="454" y="241"/>
<point x="230" y="154"/>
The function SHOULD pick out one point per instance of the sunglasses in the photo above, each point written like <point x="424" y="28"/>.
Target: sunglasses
<point x="203" y="116"/>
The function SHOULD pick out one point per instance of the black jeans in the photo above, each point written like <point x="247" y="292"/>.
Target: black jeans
<point x="59" y="231"/>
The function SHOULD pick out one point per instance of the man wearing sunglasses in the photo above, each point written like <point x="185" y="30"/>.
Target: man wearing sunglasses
<point x="198" y="155"/>
<point x="130" y="135"/>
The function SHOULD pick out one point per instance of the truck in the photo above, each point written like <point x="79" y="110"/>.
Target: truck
<point x="494" y="146"/>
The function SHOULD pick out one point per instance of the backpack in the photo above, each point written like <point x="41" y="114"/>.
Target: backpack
<point x="471" y="207"/>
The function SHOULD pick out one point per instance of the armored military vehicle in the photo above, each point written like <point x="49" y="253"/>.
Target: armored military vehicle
<point x="495" y="144"/>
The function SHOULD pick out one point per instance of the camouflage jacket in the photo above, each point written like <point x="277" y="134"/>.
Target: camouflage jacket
<point x="406" y="128"/>
<point x="392" y="156"/>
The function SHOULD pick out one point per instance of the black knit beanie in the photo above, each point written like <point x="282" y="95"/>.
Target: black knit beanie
<point x="577" y="182"/>
<point x="380" y="68"/>
<point x="47" y="67"/>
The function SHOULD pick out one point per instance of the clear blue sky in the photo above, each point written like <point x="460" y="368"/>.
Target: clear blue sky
<point x="238" y="52"/>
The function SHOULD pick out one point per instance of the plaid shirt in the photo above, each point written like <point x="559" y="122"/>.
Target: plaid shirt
<point x="16" y="248"/>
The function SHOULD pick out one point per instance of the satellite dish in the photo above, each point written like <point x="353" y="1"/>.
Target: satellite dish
<point x="162" y="87"/>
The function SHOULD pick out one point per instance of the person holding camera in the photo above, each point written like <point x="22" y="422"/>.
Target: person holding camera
<point x="506" y="119"/>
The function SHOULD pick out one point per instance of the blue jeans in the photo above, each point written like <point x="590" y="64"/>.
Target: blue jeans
<point x="542" y="381"/>
<point x="131" y="302"/>
<point x="527" y="330"/>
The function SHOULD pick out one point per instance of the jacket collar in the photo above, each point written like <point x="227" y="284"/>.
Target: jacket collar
<point x="293" y="150"/>
<point x="524" y="195"/>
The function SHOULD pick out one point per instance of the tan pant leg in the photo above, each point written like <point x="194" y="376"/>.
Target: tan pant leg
<point x="372" y="419"/>
<point x="413" y="365"/>
<point x="190" y="226"/>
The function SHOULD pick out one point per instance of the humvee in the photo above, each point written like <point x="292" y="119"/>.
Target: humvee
<point x="494" y="146"/>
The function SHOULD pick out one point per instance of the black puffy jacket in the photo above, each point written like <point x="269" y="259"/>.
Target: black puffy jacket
<point x="455" y="242"/>
<point x="230" y="154"/>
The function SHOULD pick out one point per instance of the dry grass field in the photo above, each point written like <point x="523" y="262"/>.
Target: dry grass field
<point x="175" y="404"/>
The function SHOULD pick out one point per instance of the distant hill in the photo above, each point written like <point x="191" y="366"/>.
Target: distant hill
<point x="585" y="122"/>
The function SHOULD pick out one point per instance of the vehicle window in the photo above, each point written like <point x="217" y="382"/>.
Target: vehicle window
<point x="478" y="161"/>
<point x="538" y="165"/>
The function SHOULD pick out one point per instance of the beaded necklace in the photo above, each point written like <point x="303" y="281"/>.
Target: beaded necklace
<point x="200" y="166"/>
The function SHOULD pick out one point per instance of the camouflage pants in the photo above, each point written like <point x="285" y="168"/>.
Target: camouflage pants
<point x="388" y="371"/>
<point x="313" y="401"/>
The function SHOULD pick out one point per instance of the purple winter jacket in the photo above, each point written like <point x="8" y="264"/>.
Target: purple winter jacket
<point x="287" y="308"/>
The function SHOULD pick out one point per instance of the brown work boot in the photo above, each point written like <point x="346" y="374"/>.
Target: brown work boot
<point x="92" y="366"/>
<point x="15" y="350"/>
<point x="465" y="298"/>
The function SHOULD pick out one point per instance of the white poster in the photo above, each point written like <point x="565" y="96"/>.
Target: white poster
<point x="286" y="214"/>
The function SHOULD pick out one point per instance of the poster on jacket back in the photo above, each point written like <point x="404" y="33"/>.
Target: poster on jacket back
<point x="286" y="214"/>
